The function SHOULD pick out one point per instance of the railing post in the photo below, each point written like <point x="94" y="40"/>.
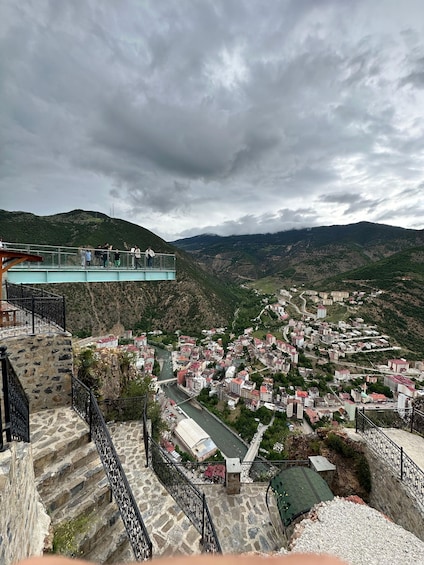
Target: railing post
<point x="1" y="433"/>
<point x="64" y="313"/>
<point x="412" y="419"/>
<point x="3" y="356"/>
<point x="401" y="463"/>
<point x="203" y="516"/>
<point x="33" y="313"/>
<point x="356" y="419"/>
<point x="90" y="417"/>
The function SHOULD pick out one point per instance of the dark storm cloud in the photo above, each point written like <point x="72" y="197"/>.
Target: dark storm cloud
<point x="216" y="115"/>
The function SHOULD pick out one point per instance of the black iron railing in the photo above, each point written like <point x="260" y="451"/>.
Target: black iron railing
<point x="14" y="419"/>
<point x="188" y="497"/>
<point x="72" y="258"/>
<point x="123" y="409"/>
<point x="85" y="404"/>
<point x="410" y="419"/>
<point x="36" y="306"/>
<point x="401" y="464"/>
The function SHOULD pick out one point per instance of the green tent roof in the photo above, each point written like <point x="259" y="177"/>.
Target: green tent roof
<point x="297" y="490"/>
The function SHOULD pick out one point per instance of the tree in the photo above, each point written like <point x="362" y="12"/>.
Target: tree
<point x="86" y="365"/>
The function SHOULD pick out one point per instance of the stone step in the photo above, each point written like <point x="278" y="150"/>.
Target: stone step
<point x="53" y="476"/>
<point x="85" y="503"/>
<point x="75" y="484"/>
<point x="104" y="534"/>
<point x="55" y="434"/>
<point x="123" y="554"/>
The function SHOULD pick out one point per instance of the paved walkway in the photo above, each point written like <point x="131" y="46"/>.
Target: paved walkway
<point x="413" y="444"/>
<point x="241" y="521"/>
<point x="171" y="532"/>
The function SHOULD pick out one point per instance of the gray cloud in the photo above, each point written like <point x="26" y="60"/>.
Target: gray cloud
<point x="215" y="116"/>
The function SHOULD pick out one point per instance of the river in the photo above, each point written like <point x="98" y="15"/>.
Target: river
<point x="227" y="442"/>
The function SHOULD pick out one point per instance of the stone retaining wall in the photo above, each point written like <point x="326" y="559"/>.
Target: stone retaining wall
<point x="44" y="366"/>
<point x="390" y="497"/>
<point x="24" y="523"/>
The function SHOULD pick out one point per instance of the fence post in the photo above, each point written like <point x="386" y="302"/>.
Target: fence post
<point x="412" y="418"/>
<point x="356" y="419"/>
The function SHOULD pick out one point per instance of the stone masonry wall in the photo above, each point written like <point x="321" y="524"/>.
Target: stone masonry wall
<point x="24" y="522"/>
<point x="389" y="496"/>
<point x="44" y="366"/>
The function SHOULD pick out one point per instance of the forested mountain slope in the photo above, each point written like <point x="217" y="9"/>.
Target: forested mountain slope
<point x="195" y="300"/>
<point x="299" y="256"/>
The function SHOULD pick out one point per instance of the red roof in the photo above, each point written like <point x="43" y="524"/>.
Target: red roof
<point x="215" y="471"/>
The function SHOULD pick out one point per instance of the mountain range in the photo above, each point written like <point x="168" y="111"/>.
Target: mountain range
<point x="210" y="270"/>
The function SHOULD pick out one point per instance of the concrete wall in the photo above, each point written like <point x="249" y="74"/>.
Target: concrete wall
<point x="390" y="497"/>
<point x="44" y="366"/>
<point x="24" y="523"/>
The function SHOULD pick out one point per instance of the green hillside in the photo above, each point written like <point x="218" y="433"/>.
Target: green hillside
<point x="299" y="256"/>
<point x="194" y="301"/>
<point x="399" y="308"/>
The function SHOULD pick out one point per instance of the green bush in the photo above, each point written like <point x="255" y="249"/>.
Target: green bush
<point x="64" y="536"/>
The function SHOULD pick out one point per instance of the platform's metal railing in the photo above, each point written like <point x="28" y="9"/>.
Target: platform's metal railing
<point x="76" y="258"/>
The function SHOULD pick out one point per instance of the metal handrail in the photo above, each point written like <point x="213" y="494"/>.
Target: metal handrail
<point x="185" y="493"/>
<point x="15" y="421"/>
<point x="85" y="404"/>
<point x="74" y="258"/>
<point x="410" y="418"/>
<point x="402" y="465"/>
<point x="38" y="303"/>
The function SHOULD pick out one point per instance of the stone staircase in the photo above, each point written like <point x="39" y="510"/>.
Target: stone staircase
<point x="74" y="488"/>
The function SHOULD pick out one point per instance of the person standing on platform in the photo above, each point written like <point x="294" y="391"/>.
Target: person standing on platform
<point x="105" y="255"/>
<point x="137" y="255"/>
<point x="149" y="256"/>
<point x="117" y="258"/>
<point x="88" y="257"/>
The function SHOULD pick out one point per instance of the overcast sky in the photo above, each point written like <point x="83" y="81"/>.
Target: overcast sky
<point x="218" y="116"/>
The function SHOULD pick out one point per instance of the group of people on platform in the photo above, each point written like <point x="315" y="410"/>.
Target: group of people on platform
<point x="136" y="257"/>
<point x="105" y="255"/>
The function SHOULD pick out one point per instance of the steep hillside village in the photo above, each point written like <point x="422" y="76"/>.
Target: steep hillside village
<point x="302" y="370"/>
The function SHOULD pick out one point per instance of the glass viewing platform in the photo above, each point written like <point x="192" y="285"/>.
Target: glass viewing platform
<point x="59" y="264"/>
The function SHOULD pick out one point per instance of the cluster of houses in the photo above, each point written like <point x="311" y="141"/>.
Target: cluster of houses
<point x="210" y="365"/>
<point x="195" y="373"/>
<point x="142" y="354"/>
